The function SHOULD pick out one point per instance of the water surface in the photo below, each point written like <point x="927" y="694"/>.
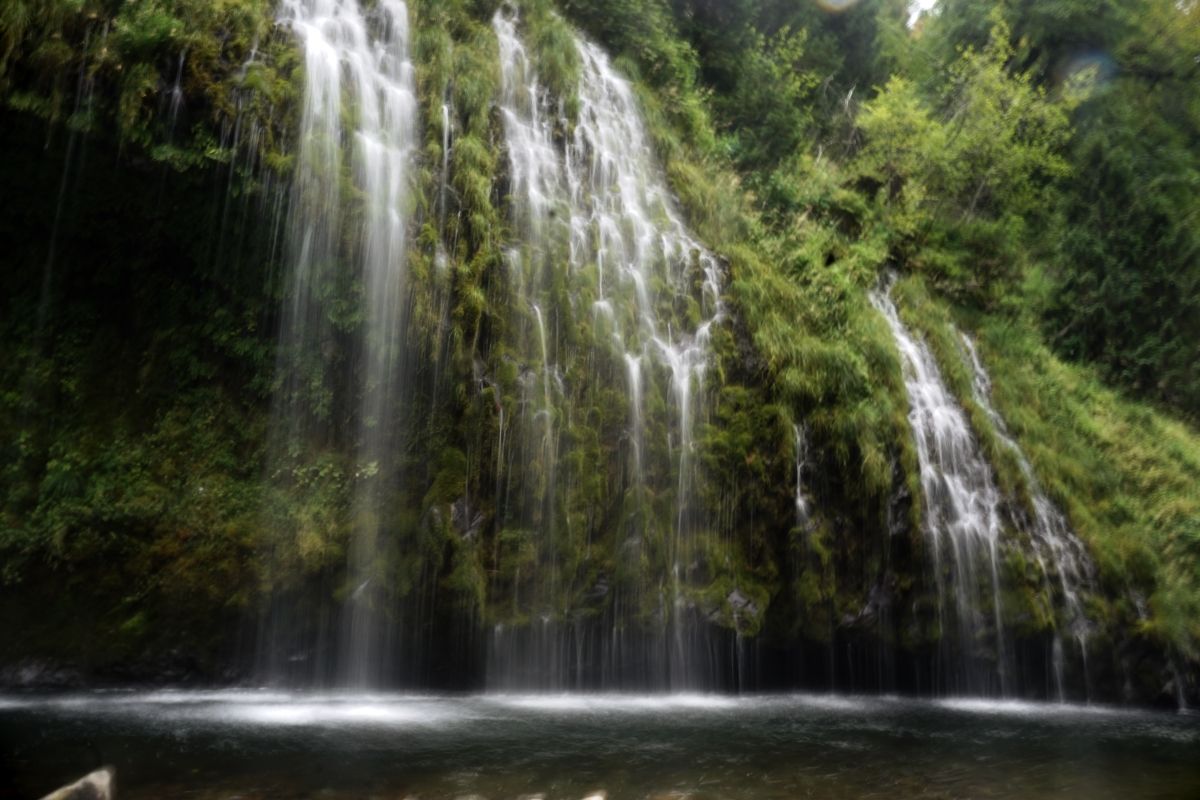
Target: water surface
<point x="272" y="744"/>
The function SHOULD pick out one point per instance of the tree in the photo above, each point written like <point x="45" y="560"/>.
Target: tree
<point x="961" y="176"/>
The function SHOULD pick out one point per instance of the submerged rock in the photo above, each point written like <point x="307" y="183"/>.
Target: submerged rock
<point x="99" y="785"/>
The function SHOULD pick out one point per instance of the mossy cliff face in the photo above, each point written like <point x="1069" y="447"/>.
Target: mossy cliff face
<point x="156" y="522"/>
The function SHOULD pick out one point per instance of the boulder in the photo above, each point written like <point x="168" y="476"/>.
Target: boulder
<point x="100" y="785"/>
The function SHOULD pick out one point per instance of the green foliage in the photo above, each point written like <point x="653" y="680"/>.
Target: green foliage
<point x="1119" y="283"/>
<point x="1123" y="288"/>
<point x="1126" y="285"/>
<point x="769" y="106"/>
<point x="958" y="182"/>
<point x="95" y="64"/>
<point x="554" y="52"/>
<point x="1125" y="475"/>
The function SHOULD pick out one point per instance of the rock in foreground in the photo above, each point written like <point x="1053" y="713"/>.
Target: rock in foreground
<point x="99" y="785"/>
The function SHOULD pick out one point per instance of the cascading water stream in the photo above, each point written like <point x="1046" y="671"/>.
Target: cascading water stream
<point x="1055" y="544"/>
<point x="800" y="443"/>
<point x="962" y="505"/>
<point x="176" y="101"/>
<point x="615" y="182"/>
<point x="444" y="182"/>
<point x="360" y="120"/>
<point x="600" y="235"/>
<point x="633" y="366"/>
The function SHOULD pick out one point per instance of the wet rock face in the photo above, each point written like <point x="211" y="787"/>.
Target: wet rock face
<point x="176" y="667"/>
<point x="99" y="785"/>
<point x="879" y="603"/>
<point x="744" y="610"/>
<point x="39" y="674"/>
<point x="467" y="521"/>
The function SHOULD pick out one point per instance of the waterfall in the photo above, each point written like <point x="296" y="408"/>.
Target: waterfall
<point x="962" y="509"/>
<point x="445" y="176"/>
<point x="800" y="445"/>
<point x="535" y="189"/>
<point x="598" y="233"/>
<point x="359" y="121"/>
<point x="1181" y="704"/>
<point x="1055" y="544"/>
<point x="176" y="102"/>
<point x="634" y="366"/>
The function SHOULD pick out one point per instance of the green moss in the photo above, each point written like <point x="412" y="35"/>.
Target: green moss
<point x="1125" y="475"/>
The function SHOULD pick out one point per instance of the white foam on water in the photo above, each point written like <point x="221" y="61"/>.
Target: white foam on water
<point x="255" y="708"/>
<point x="608" y="703"/>
<point x="258" y="709"/>
<point x="833" y="702"/>
<point x="366" y="714"/>
<point x="1024" y="708"/>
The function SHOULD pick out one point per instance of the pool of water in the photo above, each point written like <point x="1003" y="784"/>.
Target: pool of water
<point x="271" y="744"/>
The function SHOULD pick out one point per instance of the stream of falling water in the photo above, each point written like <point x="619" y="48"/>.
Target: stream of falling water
<point x="359" y="119"/>
<point x="962" y="510"/>
<point x="1055" y="544"/>
<point x="800" y="443"/>
<point x="599" y="234"/>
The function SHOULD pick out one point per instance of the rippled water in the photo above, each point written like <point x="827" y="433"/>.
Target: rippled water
<point x="270" y="744"/>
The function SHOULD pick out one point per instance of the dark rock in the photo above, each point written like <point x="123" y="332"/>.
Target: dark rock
<point x="599" y="590"/>
<point x="743" y="609"/>
<point x="36" y="674"/>
<point x="879" y="601"/>
<point x="466" y="521"/>
<point x="737" y="601"/>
